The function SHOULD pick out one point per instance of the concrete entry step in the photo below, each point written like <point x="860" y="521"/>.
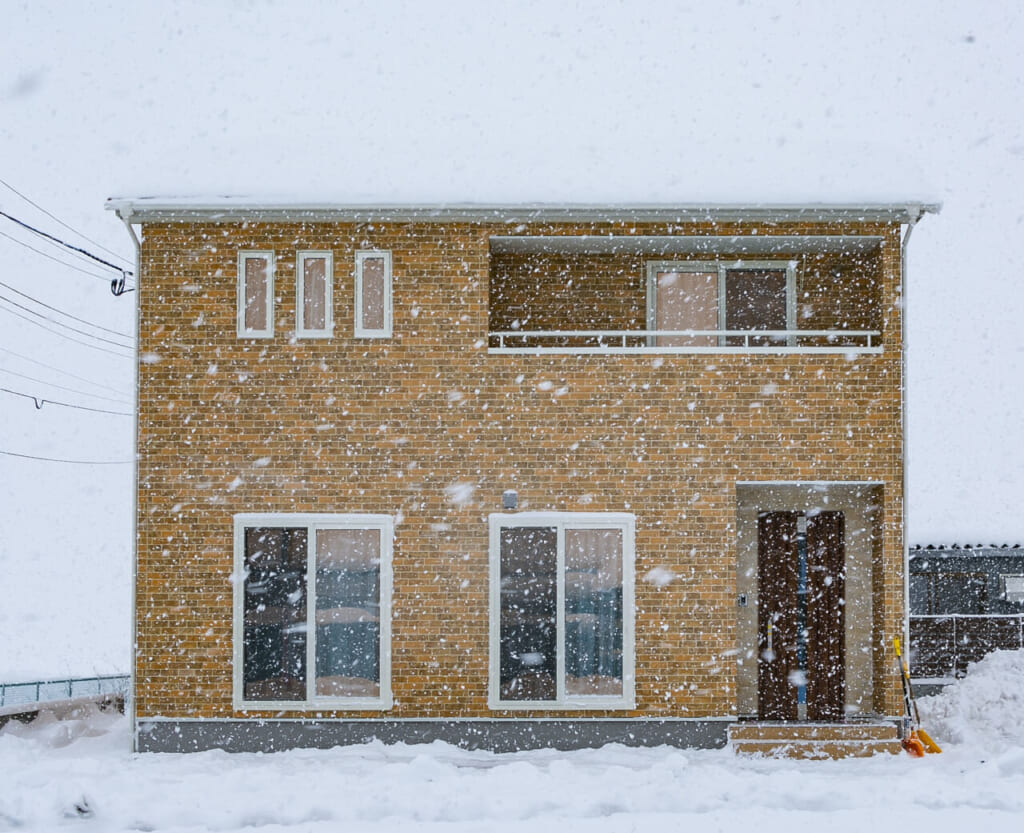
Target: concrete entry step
<point x="814" y="740"/>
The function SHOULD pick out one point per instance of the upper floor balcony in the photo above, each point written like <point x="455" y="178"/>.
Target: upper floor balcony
<point x="667" y="294"/>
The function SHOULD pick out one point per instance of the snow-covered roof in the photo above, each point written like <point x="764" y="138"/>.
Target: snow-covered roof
<point x="967" y="549"/>
<point x="157" y="209"/>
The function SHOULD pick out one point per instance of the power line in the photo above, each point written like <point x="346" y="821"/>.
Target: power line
<point x="77" y="462"/>
<point x="63" y="372"/>
<point x="66" y="314"/>
<point x="65" y="244"/>
<point x="62" y="387"/>
<point x="64" y="335"/>
<point x="31" y="311"/>
<point x="55" y="259"/>
<point x="40" y="401"/>
<point x="59" y="220"/>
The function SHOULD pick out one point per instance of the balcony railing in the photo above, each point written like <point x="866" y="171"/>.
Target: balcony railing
<point x="685" y="341"/>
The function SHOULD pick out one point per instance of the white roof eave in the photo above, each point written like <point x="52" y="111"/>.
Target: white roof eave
<point x="241" y="209"/>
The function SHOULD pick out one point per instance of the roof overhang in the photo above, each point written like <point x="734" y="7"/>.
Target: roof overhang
<point x="239" y="209"/>
<point x="747" y="244"/>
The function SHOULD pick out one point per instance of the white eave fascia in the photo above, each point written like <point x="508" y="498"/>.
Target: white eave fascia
<point x="240" y="209"/>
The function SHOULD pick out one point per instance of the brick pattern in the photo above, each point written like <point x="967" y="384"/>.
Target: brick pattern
<point x="347" y="425"/>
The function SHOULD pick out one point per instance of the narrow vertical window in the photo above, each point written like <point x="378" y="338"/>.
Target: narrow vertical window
<point x="255" y="294"/>
<point x="373" y="294"/>
<point x="312" y="611"/>
<point x="314" y="276"/>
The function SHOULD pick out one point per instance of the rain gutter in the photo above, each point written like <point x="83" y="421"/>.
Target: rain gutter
<point x="130" y="698"/>
<point x="910" y="223"/>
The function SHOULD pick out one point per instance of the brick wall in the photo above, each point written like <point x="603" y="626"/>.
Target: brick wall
<point x="349" y="426"/>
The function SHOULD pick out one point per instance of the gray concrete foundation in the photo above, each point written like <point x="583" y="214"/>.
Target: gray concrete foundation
<point x="505" y="735"/>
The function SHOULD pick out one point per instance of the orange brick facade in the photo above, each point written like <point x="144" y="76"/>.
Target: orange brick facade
<point x="344" y="425"/>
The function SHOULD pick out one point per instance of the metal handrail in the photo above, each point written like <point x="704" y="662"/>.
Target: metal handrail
<point x="45" y="691"/>
<point x="616" y="340"/>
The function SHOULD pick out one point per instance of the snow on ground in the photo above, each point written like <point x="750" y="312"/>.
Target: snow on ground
<point x="51" y="767"/>
<point x="983" y="710"/>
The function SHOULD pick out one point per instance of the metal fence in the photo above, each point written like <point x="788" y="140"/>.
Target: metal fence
<point x="45" y="691"/>
<point x="942" y="645"/>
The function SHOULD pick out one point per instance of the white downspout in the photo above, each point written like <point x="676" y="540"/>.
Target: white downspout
<point x="130" y="705"/>
<point x="903" y="428"/>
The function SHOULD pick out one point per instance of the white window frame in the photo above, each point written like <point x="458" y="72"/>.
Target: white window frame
<point x="301" y="330"/>
<point x="242" y="331"/>
<point x="622" y="521"/>
<point x="386" y="525"/>
<point x="360" y="330"/>
<point x="722" y="267"/>
<point x="1012" y="587"/>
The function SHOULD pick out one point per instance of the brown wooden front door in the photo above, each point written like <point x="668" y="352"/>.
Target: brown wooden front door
<point x="801" y="585"/>
<point x="826" y="596"/>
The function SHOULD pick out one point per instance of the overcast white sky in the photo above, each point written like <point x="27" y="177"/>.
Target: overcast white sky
<point x="428" y="102"/>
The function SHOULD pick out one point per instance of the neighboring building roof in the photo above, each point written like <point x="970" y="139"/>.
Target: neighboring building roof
<point x="230" y="208"/>
<point x="967" y="549"/>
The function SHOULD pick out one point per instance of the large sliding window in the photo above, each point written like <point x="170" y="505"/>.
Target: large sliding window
<point x="562" y="610"/>
<point x="747" y="296"/>
<point x="313" y="611"/>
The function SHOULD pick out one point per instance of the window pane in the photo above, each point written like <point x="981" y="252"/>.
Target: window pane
<point x="314" y="293"/>
<point x="374" y="290"/>
<point x="274" y="640"/>
<point x="686" y="301"/>
<point x="529" y="623"/>
<point x="755" y="299"/>
<point x="593" y="612"/>
<point x="1013" y="588"/>
<point x="348" y="613"/>
<point x="256" y="293"/>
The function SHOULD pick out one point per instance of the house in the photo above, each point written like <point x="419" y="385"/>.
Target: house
<point x="965" y="602"/>
<point x="516" y="475"/>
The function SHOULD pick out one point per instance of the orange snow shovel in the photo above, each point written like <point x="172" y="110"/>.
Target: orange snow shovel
<point x="916" y="741"/>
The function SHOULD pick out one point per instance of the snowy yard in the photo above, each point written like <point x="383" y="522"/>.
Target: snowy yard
<point x="49" y="768"/>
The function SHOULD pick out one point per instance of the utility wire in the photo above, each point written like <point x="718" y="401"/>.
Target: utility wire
<point x="65" y="314"/>
<point x="59" y="220"/>
<point x="76" y="255"/>
<point x="64" y="335"/>
<point x="65" y="244"/>
<point x="31" y="311"/>
<point x="63" y="387"/>
<point x="55" y="259"/>
<point x="59" y="460"/>
<point x="40" y="401"/>
<point x="63" y="372"/>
